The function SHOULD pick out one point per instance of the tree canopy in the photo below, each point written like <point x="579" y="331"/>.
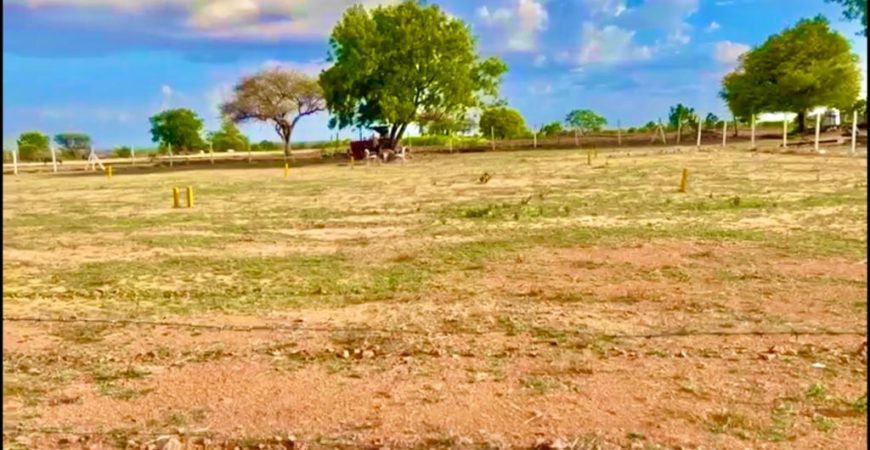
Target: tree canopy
<point x="444" y="124"/>
<point x="552" y="129"/>
<point x="681" y="115"/>
<point x="585" y="120"/>
<point x="393" y="63"/>
<point x="33" y="146"/>
<point x="711" y="121"/>
<point x="73" y="144"/>
<point x="805" y="66"/>
<point x="854" y="9"/>
<point x="179" y="127"/>
<point x="228" y="137"/>
<point x="280" y="96"/>
<point x="503" y="123"/>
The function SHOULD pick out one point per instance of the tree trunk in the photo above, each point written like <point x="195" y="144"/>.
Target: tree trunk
<point x="400" y="131"/>
<point x="288" y="151"/>
<point x="801" y="119"/>
<point x="735" y="128"/>
<point x="394" y="130"/>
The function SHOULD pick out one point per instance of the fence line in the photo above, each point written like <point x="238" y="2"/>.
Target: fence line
<point x="264" y="327"/>
<point x="707" y="137"/>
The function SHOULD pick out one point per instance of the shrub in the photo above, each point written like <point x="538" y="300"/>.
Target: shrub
<point x="122" y="152"/>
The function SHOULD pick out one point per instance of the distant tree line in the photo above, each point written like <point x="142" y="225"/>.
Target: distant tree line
<point x="444" y="87"/>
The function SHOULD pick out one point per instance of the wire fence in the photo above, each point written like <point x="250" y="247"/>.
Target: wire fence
<point x="610" y="139"/>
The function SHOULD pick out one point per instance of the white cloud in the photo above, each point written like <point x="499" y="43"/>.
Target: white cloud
<point x="713" y="26"/>
<point x="96" y="113"/>
<point x="224" y="13"/>
<point x="167" y="93"/>
<point x="232" y="19"/>
<point x="499" y="16"/>
<point x="540" y="60"/>
<point x="545" y="89"/>
<point x="521" y="23"/>
<point x="658" y="15"/>
<point x="727" y="52"/>
<point x="678" y="37"/>
<point x="610" y="8"/>
<point x="610" y="45"/>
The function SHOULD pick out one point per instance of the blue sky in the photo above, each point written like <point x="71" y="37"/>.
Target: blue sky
<point x="104" y="66"/>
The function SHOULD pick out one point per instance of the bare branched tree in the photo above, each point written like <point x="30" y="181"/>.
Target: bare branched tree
<point x="280" y="96"/>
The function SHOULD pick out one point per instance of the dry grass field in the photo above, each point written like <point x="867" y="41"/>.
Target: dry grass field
<point x="560" y="304"/>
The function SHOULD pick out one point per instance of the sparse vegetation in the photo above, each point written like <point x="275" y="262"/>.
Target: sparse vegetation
<point x="522" y="284"/>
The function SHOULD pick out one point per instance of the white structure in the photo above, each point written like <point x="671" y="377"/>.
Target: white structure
<point x="776" y="117"/>
<point x="830" y="116"/>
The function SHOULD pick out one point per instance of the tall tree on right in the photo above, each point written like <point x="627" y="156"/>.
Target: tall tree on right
<point x="803" y="67"/>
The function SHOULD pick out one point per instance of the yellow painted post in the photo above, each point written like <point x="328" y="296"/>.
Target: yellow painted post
<point x="190" y="196"/>
<point x="286" y="170"/>
<point x="109" y="172"/>
<point x="684" y="181"/>
<point x="176" y="197"/>
<point x="351" y="160"/>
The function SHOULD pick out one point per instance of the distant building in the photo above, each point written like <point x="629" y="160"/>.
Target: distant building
<point x="830" y="117"/>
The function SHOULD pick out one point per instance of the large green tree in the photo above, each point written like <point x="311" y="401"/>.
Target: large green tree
<point x="179" y="127"/>
<point x="585" y="120"/>
<point x="228" y="137"/>
<point x="854" y="9"/>
<point x="503" y="123"/>
<point x="33" y="146"/>
<point x="805" y="66"/>
<point x="73" y="145"/>
<point x="393" y="63"/>
<point x="551" y="129"/>
<point x="279" y="96"/>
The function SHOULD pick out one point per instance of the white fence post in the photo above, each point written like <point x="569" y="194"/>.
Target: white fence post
<point x="818" y="131"/>
<point x="698" y="144"/>
<point x="492" y="136"/>
<point x="15" y="161"/>
<point x="170" y="154"/>
<point x="854" y="131"/>
<point x="211" y="152"/>
<point x="534" y="139"/>
<point x="132" y="155"/>
<point x="618" y="134"/>
<point x="784" y="131"/>
<point x="724" y="132"/>
<point x="752" y="133"/>
<point x="53" y="158"/>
